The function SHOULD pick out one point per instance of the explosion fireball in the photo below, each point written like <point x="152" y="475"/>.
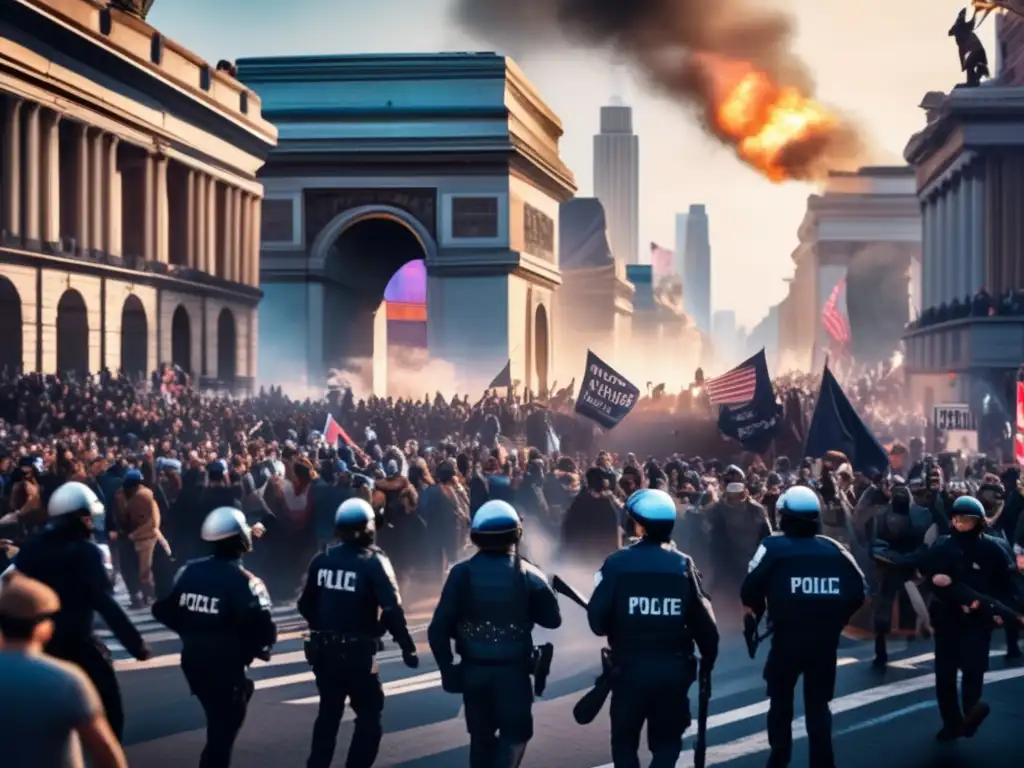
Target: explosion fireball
<point x="774" y="129"/>
<point x="731" y="60"/>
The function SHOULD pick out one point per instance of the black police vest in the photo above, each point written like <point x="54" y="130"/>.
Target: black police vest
<point x="346" y="602"/>
<point x="494" y="624"/>
<point x="650" y="613"/>
<point x="810" y="586"/>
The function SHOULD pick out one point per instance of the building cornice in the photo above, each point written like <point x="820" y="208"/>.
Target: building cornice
<point x="179" y="74"/>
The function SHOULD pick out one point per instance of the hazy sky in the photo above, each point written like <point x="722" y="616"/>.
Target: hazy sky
<point x="874" y="59"/>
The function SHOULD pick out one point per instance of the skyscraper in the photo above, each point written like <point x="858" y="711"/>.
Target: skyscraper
<point x="679" y="262"/>
<point x="617" y="180"/>
<point x="697" y="268"/>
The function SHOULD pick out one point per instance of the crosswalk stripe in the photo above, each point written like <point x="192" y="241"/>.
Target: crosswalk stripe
<point x="758" y="742"/>
<point x="276" y="660"/>
<point x="392" y="688"/>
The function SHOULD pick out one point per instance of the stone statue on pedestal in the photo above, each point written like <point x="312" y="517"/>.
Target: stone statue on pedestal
<point x="973" y="59"/>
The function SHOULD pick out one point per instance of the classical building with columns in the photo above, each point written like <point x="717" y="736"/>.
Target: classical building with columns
<point x="129" y="206"/>
<point x="860" y="239"/>
<point x="969" y="160"/>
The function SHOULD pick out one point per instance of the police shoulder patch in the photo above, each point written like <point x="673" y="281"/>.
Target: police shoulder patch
<point x="757" y="558"/>
<point x="259" y="591"/>
<point x="389" y="569"/>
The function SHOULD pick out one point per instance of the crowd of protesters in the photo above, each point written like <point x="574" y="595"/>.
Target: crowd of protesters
<point x="160" y="455"/>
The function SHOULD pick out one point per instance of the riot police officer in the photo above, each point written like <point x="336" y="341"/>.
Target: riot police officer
<point x="223" y="614"/>
<point x="812" y="587"/>
<point x="489" y="606"/>
<point x="969" y="558"/>
<point x="649" y="603"/>
<point x="65" y="557"/>
<point x="346" y="587"/>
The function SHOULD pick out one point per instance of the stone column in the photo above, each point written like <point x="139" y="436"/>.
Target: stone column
<point x="149" y="207"/>
<point x="254" y="241"/>
<point x="162" y="224"/>
<point x="12" y="168"/>
<point x="966" y="239"/>
<point x="82" y="234"/>
<point x="96" y="192"/>
<point x="926" y="244"/>
<point x="112" y="202"/>
<point x="978" y="232"/>
<point x="943" y="245"/>
<point x="236" y="235"/>
<point x="33" y="160"/>
<point x="190" y="221"/>
<point x="199" y="223"/>
<point x="243" y="243"/>
<point x="51" y="182"/>
<point x="227" y="232"/>
<point x="211" y="224"/>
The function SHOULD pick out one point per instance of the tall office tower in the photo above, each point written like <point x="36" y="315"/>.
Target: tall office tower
<point x="697" y="268"/>
<point x="617" y="180"/>
<point x="679" y="257"/>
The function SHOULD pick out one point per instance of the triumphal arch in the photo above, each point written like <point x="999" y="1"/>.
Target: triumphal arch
<point x="382" y="159"/>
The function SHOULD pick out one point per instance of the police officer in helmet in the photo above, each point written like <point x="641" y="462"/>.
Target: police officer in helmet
<point x="350" y="596"/>
<point x="222" y="613"/>
<point x="811" y="586"/>
<point x="970" y="558"/>
<point x="65" y="557"/>
<point x="489" y="606"/>
<point x="649" y="603"/>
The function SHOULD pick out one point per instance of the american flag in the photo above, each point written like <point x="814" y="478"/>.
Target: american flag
<point x="733" y="388"/>
<point x="833" y="320"/>
<point x="661" y="260"/>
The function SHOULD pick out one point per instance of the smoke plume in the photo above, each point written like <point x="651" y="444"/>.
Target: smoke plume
<point x="731" y="60"/>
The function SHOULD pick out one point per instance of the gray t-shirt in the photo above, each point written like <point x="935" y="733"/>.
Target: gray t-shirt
<point x="42" y="702"/>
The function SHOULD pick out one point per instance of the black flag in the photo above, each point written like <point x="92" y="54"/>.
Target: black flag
<point x="835" y="426"/>
<point x="504" y="377"/>
<point x="753" y="424"/>
<point x="605" y="396"/>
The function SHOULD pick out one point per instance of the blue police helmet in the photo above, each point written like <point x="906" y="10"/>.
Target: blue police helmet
<point x="649" y="505"/>
<point x="968" y="506"/>
<point x="354" y="515"/>
<point x="132" y="477"/>
<point x="226" y="523"/>
<point x="496" y="517"/>
<point x="799" y="502"/>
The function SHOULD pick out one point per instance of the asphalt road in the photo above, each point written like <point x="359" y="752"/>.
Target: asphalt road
<point x="880" y="720"/>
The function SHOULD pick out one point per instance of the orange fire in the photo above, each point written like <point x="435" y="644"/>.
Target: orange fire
<point x="776" y="129"/>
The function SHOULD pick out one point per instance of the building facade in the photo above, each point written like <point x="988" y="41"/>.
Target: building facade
<point x="595" y="300"/>
<point x="617" y="180"/>
<point x="861" y="242"/>
<point x="449" y="158"/>
<point x="679" y="254"/>
<point x="697" y="268"/>
<point x="969" y="161"/>
<point x="130" y="205"/>
<point x="1009" y="54"/>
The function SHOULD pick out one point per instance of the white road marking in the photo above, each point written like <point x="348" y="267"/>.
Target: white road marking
<point x="758" y="742"/>
<point x="392" y="688"/>
<point x="276" y="660"/>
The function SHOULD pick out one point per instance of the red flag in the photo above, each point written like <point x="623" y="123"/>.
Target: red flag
<point x="333" y="430"/>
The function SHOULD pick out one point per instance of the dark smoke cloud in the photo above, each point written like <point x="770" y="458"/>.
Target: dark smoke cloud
<point x="657" y="37"/>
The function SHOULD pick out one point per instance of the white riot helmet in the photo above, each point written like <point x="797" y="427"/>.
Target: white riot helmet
<point x="74" y="499"/>
<point x="225" y="523"/>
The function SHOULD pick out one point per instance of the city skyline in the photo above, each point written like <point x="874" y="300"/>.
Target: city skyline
<point x="679" y="164"/>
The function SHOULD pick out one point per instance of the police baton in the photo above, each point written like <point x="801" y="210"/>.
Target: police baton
<point x="563" y="588"/>
<point x="700" y="746"/>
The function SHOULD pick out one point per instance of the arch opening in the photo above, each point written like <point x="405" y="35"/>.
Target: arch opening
<point x="12" y="332"/>
<point x="540" y="349"/>
<point x="134" y="339"/>
<point x="373" y="259"/>
<point x="72" y="334"/>
<point x="181" y="340"/>
<point x="227" y="347"/>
